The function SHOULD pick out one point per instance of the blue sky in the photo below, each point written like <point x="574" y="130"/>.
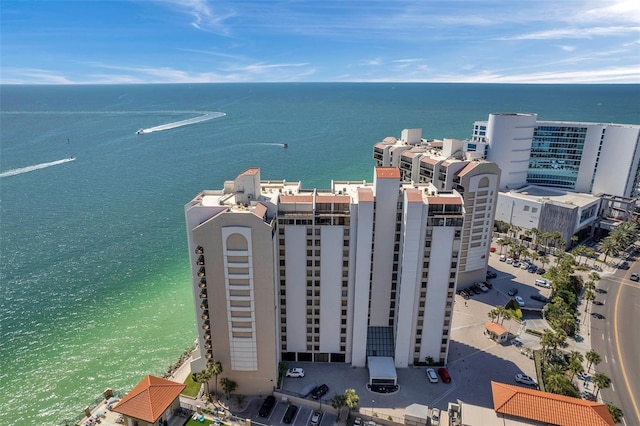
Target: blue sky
<point x="186" y="41"/>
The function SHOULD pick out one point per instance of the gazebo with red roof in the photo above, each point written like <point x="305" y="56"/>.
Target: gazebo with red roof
<point x="152" y="399"/>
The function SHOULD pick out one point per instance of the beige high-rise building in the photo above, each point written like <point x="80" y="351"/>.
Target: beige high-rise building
<point x="451" y="164"/>
<point x="338" y="275"/>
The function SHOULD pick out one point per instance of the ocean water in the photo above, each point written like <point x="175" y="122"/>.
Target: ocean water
<point x="94" y="271"/>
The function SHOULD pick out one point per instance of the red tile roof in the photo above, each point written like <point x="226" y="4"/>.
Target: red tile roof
<point x="413" y="195"/>
<point x="466" y="169"/>
<point x="296" y="198"/>
<point x="250" y="172"/>
<point x="495" y="327"/>
<point x="149" y="399"/>
<point x="410" y="154"/>
<point x="260" y="210"/>
<point x="387" y="173"/>
<point x="548" y="407"/>
<point x="444" y="200"/>
<point x="333" y="199"/>
<point x="365" y="195"/>
<point x="426" y="159"/>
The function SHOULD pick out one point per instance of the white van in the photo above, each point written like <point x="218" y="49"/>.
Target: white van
<point x="542" y="283"/>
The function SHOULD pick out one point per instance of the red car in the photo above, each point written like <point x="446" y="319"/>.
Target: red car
<point x="444" y="375"/>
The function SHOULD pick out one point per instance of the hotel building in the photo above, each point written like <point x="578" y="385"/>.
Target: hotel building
<point x="338" y="275"/>
<point x="451" y="164"/>
<point x="593" y="158"/>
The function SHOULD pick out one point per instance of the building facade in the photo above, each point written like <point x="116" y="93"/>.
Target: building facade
<point x="282" y="273"/>
<point x="451" y="164"/>
<point x="593" y="158"/>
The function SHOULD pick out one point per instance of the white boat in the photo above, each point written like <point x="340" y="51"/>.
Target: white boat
<point x="140" y="131"/>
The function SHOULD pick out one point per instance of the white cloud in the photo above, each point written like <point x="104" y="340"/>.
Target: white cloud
<point x="204" y="17"/>
<point x="574" y="32"/>
<point x="567" y="48"/>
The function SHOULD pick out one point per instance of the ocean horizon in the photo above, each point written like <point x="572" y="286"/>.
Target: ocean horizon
<point x="94" y="272"/>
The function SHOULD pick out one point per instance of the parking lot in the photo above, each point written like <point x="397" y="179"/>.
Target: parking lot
<point x="473" y="362"/>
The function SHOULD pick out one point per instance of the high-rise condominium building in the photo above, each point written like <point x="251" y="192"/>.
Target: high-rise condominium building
<point x="594" y="158"/>
<point x="339" y="275"/>
<point x="451" y="164"/>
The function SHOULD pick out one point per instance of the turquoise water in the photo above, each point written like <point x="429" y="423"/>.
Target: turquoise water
<point x="94" y="272"/>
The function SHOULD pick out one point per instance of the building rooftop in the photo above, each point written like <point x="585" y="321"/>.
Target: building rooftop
<point x="149" y="399"/>
<point x="548" y="407"/>
<point x="387" y="173"/>
<point x="540" y="193"/>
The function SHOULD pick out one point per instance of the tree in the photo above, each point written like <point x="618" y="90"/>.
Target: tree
<point x="589" y="296"/>
<point x="594" y="276"/>
<point x="338" y="402"/>
<point x="593" y="358"/>
<point x="228" y="386"/>
<point x="554" y="383"/>
<point x="545" y="260"/>
<point x="601" y="382"/>
<point x="575" y="364"/>
<point x="213" y="369"/>
<point x="493" y="315"/>
<point x="201" y="378"/>
<point x="351" y="400"/>
<point x="609" y="247"/>
<point x="615" y="412"/>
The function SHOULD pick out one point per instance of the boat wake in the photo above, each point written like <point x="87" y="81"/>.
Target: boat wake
<point x="35" y="167"/>
<point x="205" y="117"/>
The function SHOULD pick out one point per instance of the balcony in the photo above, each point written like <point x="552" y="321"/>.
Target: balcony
<point x="205" y="315"/>
<point x="203" y="294"/>
<point x="203" y="305"/>
<point x="206" y="325"/>
<point x="207" y="336"/>
<point x="207" y="346"/>
<point x="201" y="272"/>
<point x="200" y="260"/>
<point x="209" y="355"/>
<point x="199" y="250"/>
<point x="202" y="283"/>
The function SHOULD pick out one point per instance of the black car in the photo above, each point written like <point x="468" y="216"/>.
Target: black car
<point x="488" y="284"/>
<point x="539" y="298"/>
<point x="320" y="391"/>
<point x="491" y="274"/>
<point x="463" y="293"/>
<point x="290" y="414"/>
<point x="624" y="265"/>
<point x="540" y="271"/>
<point x="475" y="289"/>
<point x="597" y="315"/>
<point x="513" y="292"/>
<point x="267" y="406"/>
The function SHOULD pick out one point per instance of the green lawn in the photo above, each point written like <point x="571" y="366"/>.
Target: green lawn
<point x="192" y="387"/>
<point x="192" y="422"/>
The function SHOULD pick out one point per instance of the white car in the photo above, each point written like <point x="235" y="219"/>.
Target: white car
<point x="316" y="418"/>
<point x="502" y="258"/>
<point x="540" y="282"/>
<point x="525" y="380"/>
<point x="295" y="372"/>
<point x="431" y="374"/>
<point x="520" y="301"/>
<point x="483" y="288"/>
<point x="435" y="417"/>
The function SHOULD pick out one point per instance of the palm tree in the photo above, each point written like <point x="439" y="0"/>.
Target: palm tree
<point x="574" y="240"/>
<point x="609" y="247"/>
<point x="594" y="276"/>
<point x="589" y="296"/>
<point x="228" y="386"/>
<point x="554" y="383"/>
<point x="601" y="382"/>
<point x="351" y="400"/>
<point x="536" y="235"/>
<point x="593" y="358"/>
<point x="503" y="243"/>
<point x="544" y="259"/>
<point x="575" y="364"/>
<point x="547" y="340"/>
<point x="493" y="315"/>
<point x="213" y="369"/>
<point x="201" y="378"/>
<point x="338" y="402"/>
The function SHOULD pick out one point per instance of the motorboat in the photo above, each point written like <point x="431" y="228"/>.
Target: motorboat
<point x="285" y="145"/>
<point x="140" y="131"/>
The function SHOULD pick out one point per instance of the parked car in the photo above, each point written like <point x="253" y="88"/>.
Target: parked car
<point x="492" y="249"/>
<point x="435" y="417"/>
<point x="290" y="414"/>
<point x="464" y="293"/>
<point x="475" y="289"/>
<point x="431" y="375"/>
<point x="316" y="418"/>
<point x="267" y="406"/>
<point x="525" y="380"/>
<point x="634" y="277"/>
<point x="539" y="298"/>
<point x="320" y="391"/>
<point x="491" y="274"/>
<point x="482" y="287"/>
<point x="295" y="372"/>
<point x="532" y="268"/>
<point x="502" y="258"/>
<point x="541" y="282"/>
<point x="520" y="301"/>
<point x="541" y="271"/>
<point x="524" y="266"/>
<point x="513" y="291"/>
<point x="487" y="284"/>
<point x="516" y="263"/>
<point x="541" y="252"/>
<point x="357" y="421"/>
<point x="509" y="260"/>
<point x="444" y="375"/>
<point x="624" y="265"/>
